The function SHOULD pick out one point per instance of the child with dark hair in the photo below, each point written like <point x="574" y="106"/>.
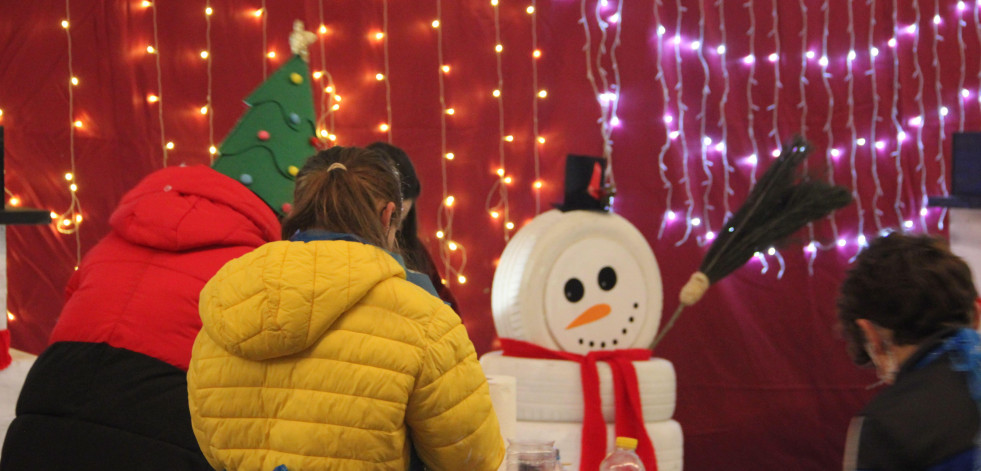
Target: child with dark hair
<point x="416" y="256"/>
<point x="318" y="353"/>
<point x="909" y="307"/>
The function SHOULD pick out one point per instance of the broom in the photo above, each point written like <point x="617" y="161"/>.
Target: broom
<point x="781" y="203"/>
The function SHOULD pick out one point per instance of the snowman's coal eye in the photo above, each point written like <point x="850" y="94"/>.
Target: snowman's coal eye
<point x="573" y="290"/>
<point x="607" y="278"/>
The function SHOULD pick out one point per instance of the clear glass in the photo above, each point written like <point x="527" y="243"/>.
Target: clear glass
<point x="622" y="459"/>
<point x="530" y="455"/>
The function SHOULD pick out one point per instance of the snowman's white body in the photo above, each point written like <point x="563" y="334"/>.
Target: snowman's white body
<point x="580" y="281"/>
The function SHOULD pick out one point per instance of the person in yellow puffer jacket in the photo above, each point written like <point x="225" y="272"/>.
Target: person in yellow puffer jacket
<point x="317" y="353"/>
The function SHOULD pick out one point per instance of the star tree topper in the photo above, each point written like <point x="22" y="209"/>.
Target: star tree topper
<point x="300" y="39"/>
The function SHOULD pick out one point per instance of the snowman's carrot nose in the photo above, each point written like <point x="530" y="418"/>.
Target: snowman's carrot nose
<point x="594" y="313"/>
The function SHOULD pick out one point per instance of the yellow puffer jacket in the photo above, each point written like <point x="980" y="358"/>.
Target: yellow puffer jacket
<point x="320" y="355"/>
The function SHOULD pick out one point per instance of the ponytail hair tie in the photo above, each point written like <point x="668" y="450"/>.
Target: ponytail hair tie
<point x="336" y="165"/>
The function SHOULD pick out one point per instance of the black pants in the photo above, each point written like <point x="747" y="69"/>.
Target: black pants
<point x="88" y="406"/>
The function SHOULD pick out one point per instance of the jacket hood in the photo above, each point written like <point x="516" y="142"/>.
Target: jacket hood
<point x="282" y="297"/>
<point x="186" y="208"/>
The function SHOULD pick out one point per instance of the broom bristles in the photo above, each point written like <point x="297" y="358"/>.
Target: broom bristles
<point x="775" y="208"/>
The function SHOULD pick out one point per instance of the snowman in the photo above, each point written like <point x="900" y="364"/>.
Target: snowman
<point x="576" y="298"/>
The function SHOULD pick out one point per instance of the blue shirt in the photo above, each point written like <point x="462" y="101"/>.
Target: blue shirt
<point x="413" y="276"/>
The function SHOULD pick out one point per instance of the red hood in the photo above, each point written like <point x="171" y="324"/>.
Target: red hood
<point x="185" y="208"/>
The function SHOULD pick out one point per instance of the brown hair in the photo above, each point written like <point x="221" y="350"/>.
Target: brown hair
<point x="911" y="285"/>
<point x="346" y="198"/>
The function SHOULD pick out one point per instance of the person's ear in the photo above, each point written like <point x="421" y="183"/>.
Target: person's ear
<point x="873" y="340"/>
<point x="386" y="215"/>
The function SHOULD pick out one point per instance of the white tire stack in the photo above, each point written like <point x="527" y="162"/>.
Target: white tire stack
<point x="531" y="302"/>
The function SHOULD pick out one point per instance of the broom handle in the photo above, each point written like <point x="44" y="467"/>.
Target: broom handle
<point x="667" y="327"/>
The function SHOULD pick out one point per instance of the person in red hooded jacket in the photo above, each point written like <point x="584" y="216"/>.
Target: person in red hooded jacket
<point x="110" y="392"/>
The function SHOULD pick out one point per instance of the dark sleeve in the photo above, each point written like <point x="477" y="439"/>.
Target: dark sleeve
<point x="442" y="290"/>
<point x="963" y="461"/>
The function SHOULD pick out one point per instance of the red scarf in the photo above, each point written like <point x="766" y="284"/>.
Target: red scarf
<point x="629" y="413"/>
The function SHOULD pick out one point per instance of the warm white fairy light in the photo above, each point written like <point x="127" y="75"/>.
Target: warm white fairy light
<point x="206" y="54"/>
<point x="661" y="166"/>
<point x="159" y="94"/>
<point x="383" y="36"/>
<point x="444" y="217"/>
<point x="260" y="13"/>
<point x="500" y="204"/>
<point x="326" y="117"/>
<point x="536" y="157"/>
<point x="75" y="208"/>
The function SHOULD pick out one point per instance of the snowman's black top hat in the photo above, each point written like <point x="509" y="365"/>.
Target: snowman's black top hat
<point x="585" y="184"/>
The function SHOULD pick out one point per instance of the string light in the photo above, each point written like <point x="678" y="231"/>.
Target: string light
<point x="383" y="36"/>
<point x="662" y="167"/>
<point x="260" y="13"/>
<point x="206" y="54"/>
<point x="607" y="93"/>
<point x="723" y="124"/>
<point x="159" y="94"/>
<point x="679" y="96"/>
<point x="75" y="207"/>
<point x="850" y="79"/>
<point x="943" y="111"/>
<point x="536" y="152"/>
<point x="326" y="118"/>
<point x="919" y="101"/>
<point x="444" y="217"/>
<point x="749" y="85"/>
<point x="828" y="130"/>
<point x="497" y="202"/>
<point x="879" y="145"/>
<point x="706" y="141"/>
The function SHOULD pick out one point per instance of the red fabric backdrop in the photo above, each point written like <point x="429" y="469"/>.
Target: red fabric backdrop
<point x="763" y="381"/>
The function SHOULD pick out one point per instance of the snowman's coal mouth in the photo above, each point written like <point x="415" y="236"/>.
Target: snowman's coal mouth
<point x="593" y="343"/>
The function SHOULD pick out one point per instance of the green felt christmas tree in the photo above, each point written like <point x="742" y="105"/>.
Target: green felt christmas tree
<point x="277" y="134"/>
